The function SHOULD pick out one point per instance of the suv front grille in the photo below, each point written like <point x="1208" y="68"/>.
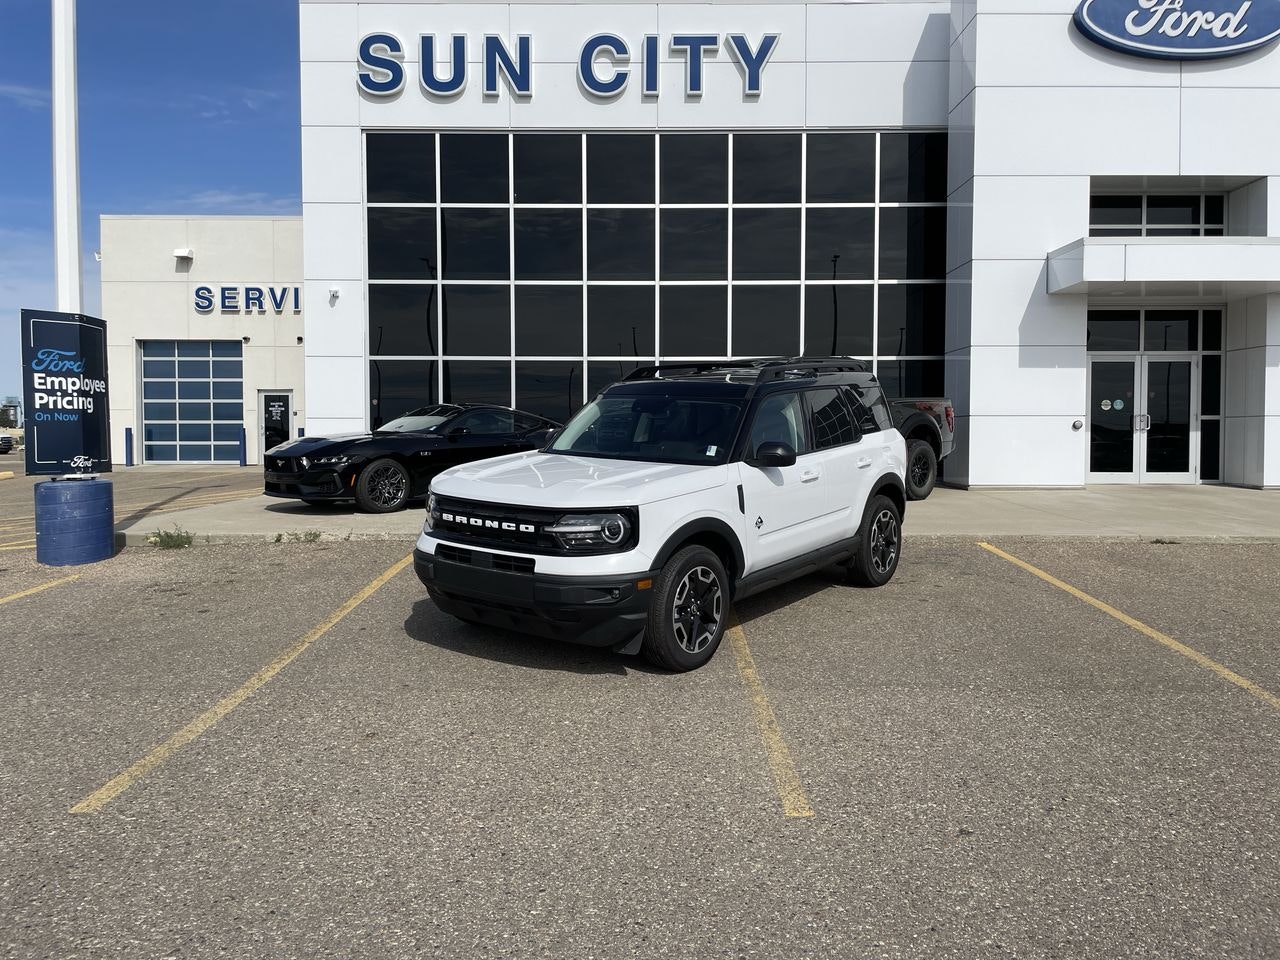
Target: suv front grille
<point x="490" y="561"/>
<point x="495" y="525"/>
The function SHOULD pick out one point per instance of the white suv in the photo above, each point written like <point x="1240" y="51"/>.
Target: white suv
<point x="673" y="493"/>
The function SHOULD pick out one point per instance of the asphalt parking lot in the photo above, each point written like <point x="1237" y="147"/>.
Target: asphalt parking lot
<point x="970" y="762"/>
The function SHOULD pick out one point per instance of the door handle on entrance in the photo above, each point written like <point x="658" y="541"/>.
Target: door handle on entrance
<point x="809" y="476"/>
<point x="864" y="462"/>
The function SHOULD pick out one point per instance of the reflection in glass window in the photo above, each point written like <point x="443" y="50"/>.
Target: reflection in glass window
<point x="694" y="321"/>
<point x="402" y="244"/>
<point x="401" y="167"/>
<point x="620" y="321"/>
<point x="476" y="244"/>
<point x="913" y="167"/>
<point x="766" y="244"/>
<point x="620" y="245"/>
<point x="779" y="419"/>
<point x="838" y="320"/>
<point x="548" y="321"/>
<point x="841" y="244"/>
<point x="601" y="373"/>
<point x="549" y="388"/>
<point x="695" y="244"/>
<point x="911" y="378"/>
<point x="766" y="168"/>
<point x="548" y="244"/>
<point x="548" y="168"/>
<point x="402" y="319"/>
<point x="477" y="381"/>
<point x="913" y="243"/>
<point x="694" y="167"/>
<point x="841" y="168"/>
<point x="619" y="168"/>
<point x="830" y="421"/>
<point x="913" y="319"/>
<point x="1166" y="329"/>
<point x="766" y="321"/>
<point x="398" y="386"/>
<point x="477" y="320"/>
<point x="1113" y="330"/>
<point x="473" y="168"/>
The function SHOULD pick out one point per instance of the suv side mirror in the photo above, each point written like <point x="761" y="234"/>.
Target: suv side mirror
<point x="775" y="455"/>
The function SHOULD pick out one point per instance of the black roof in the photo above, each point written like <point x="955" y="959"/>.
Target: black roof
<point x="743" y="378"/>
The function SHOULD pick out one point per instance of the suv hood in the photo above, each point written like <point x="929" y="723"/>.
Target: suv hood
<point x="554" y="480"/>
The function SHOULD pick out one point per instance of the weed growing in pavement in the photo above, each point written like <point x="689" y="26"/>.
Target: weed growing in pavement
<point x="174" y="539"/>
<point x="311" y="536"/>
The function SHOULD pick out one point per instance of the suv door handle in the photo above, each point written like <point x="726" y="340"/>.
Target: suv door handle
<point x="809" y="476"/>
<point x="864" y="462"/>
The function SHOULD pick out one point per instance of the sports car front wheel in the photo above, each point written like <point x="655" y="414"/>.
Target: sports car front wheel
<point x="383" y="487"/>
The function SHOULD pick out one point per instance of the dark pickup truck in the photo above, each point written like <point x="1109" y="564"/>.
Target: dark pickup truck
<point x="929" y="426"/>
<point x="6" y="443"/>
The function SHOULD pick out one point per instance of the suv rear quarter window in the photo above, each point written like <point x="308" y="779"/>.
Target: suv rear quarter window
<point x="830" y="420"/>
<point x="869" y="408"/>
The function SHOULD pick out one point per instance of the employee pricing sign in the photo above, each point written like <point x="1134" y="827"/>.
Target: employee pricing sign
<point x="64" y="386"/>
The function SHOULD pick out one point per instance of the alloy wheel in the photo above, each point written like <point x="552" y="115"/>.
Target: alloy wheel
<point x="386" y="485"/>
<point x="884" y="541"/>
<point x="696" y="609"/>
<point x="919" y="470"/>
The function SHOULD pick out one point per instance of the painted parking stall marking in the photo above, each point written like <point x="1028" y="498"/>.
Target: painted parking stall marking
<point x="1244" y="683"/>
<point x="38" y="589"/>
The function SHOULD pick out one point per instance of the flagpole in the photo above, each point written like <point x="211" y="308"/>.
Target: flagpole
<point x="68" y="281"/>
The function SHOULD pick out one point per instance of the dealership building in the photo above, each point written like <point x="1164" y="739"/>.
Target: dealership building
<point x="1069" y="225"/>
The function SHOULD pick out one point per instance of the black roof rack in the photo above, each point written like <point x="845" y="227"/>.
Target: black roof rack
<point x="769" y="368"/>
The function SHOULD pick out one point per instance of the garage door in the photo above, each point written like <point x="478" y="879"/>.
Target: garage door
<point x="192" y="401"/>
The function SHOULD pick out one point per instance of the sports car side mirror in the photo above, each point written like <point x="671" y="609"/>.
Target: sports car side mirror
<point x="774" y="455"/>
<point x="457" y="432"/>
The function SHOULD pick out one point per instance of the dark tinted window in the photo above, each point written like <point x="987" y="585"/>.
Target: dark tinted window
<point x="477" y="321"/>
<point x="477" y="381"/>
<point x="398" y="386"/>
<point x="1212" y="330"/>
<point x="548" y="244"/>
<point x="551" y="389"/>
<point x="1166" y="330"/>
<point x="830" y="422"/>
<point x="838" y="320"/>
<point x="913" y="167"/>
<point x="1112" y="330"/>
<point x="620" y="245"/>
<point x="766" y="168"/>
<point x="1210" y="449"/>
<point x="402" y="320"/>
<point x="484" y="423"/>
<point x="1108" y="211"/>
<point x="863" y="402"/>
<point x="548" y="168"/>
<point x="402" y="244"/>
<point x="1215" y="208"/>
<point x="1211" y="385"/>
<point x="1173" y="211"/>
<point x="694" y="321"/>
<point x="766" y="244"/>
<point x="841" y="244"/>
<point x="473" y="168"/>
<point x="476" y="244"/>
<point x="912" y="378"/>
<point x="913" y="319"/>
<point x="780" y="418"/>
<point x="841" y="168"/>
<point x="548" y="321"/>
<point x="401" y="167"/>
<point x="695" y="244"/>
<point x="620" y="321"/>
<point x="913" y="243"/>
<point x="694" y="167"/>
<point x="619" y="168"/>
<point x="601" y="373"/>
<point x="766" y="321"/>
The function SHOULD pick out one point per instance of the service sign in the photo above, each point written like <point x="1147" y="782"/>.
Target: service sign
<point x="1180" y="29"/>
<point x="64" y="387"/>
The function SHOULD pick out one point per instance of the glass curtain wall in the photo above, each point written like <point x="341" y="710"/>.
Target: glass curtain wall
<point x="533" y="269"/>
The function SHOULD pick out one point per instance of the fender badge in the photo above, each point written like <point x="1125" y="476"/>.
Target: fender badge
<point x="759" y="522"/>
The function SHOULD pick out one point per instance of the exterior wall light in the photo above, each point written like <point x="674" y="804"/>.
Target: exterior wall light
<point x="184" y="253"/>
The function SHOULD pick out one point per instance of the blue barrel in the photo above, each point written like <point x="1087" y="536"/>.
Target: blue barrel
<point x="75" y="522"/>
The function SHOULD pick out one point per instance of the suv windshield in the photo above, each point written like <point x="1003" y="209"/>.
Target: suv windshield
<point x="422" y="420"/>
<point x="655" y="429"/>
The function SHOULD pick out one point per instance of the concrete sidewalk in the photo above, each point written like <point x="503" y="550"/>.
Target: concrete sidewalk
<point x="1110" y="512"/>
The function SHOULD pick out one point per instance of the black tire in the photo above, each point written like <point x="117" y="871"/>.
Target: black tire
<point x="879" y="544"/>
<point x="922" y="469"/>
<point x="383" y="487"/>
<point x="689" y="611"/>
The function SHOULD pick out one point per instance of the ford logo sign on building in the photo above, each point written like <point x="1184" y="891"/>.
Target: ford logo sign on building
<point x="1180" y="29"/>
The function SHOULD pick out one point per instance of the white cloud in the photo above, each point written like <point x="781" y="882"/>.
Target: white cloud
<point x="30" y="98"/>
<point x="241" y="201"/>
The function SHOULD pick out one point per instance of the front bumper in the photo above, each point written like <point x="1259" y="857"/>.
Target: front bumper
<point x="608" y="611"/>
<point x="311" y="485"/>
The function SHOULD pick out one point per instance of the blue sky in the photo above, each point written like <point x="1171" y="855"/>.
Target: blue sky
<point x="185" y="108"/>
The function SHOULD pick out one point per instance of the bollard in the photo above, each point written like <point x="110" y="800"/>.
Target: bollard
<point x="128" y="446"/>
<point x="243" y="460"/>
<point x="75" y="521"/>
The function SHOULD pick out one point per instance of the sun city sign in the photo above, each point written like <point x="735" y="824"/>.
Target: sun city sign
<point x="605" y="64"/>
<point x="1180" y="29"/>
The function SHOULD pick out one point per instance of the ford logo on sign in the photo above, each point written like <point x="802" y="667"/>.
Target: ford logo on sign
<point x="1180" y="29"/>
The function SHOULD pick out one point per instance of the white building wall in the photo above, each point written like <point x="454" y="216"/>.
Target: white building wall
<point x="148" y="294"/>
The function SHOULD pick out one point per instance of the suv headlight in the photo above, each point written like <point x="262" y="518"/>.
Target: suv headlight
<point x="430" y="522"/>
<point x="614" y="531"/>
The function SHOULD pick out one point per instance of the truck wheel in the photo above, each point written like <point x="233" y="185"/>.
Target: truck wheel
<point x="922" y="469"/>
<point x="879" y="544"/>
<point x="689" y="611"/>
<point x="383" y="487"/>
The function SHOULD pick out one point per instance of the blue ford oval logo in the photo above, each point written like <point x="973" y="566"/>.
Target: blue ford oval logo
<point x="1180" y="29"/>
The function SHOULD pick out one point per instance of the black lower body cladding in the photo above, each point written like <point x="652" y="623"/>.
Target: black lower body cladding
<point x="592" y="611"/>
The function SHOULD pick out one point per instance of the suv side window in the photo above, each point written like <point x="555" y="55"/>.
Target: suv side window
<point x="832" y="424"/>
<point x="867" y="413"/>
<point x="779" y="419"/>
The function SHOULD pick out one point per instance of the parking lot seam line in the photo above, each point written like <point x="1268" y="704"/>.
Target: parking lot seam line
<point x="1226" y="673"/>
<point x="30" y="545"/>
<point x="122" y="782"/>
<point x="14" y="543"/>
<point x="40" y="589"/>
<point x="795" y="803"/>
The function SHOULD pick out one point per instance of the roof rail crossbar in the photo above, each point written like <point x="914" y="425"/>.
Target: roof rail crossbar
<point x="653" y="372"/>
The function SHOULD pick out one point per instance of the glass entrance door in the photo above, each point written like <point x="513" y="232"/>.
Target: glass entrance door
<point x="1142" y="425"/>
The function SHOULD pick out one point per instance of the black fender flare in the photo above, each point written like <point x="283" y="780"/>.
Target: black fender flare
<point x="891" y="481"/>
<point x="689" y="530"/>
<point x="922" y="421"/>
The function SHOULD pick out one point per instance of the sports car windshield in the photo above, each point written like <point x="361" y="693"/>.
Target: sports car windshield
<point x="422" y="420"/>
<point x="654" y="429"/>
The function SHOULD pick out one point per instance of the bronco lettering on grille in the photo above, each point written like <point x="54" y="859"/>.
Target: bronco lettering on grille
<point x="487" y="524"/>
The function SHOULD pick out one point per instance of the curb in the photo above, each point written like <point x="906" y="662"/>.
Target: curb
<point x="138" y="538"/>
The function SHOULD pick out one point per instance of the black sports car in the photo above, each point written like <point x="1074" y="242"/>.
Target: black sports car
<point x="385" y="469"/>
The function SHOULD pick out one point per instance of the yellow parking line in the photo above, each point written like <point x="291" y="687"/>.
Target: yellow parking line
<point x="27" y="545"/>
<point x="22" y="539"/>
<point x="44" y="586"/>
<point x="1244" y="683"/>
<point x="119" y="784"/>
<point x="790" y="791"/>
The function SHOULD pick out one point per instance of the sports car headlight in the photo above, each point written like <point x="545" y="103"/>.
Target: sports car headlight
<point x="341" y="460"/>
<point x="594" y="531"/>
